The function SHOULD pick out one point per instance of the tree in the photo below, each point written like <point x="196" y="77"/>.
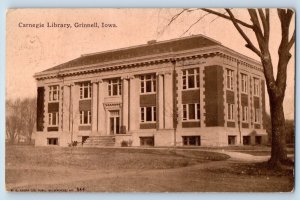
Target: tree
<point x="13" y="120"/>
<point x="28" y="113"/>
<point x="260" y="26"/>
<point x="20" y="118"/>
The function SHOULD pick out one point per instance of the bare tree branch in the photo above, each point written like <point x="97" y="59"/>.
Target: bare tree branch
<point x="191" y="26"/>
<point x="176" y="16"/>
<point x="249" y="43"/>
<point x="227" y="17"/>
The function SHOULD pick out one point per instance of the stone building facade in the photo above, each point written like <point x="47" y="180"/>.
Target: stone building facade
<point x="186" y="91"/>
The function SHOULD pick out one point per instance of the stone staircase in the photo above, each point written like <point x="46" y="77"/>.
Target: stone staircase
<point x="99" y="141"/>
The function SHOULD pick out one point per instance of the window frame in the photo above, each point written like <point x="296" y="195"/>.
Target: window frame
<point x="143" y="114"/>
<point x="257" y="115"/>
<point x="82" y="115"/>
<point x="82" y="87"/>
<point x="245" y="113"/>
<point x="244" y="82"/>
<point x="230" y="78"/>
<point x="185" y="78"/>
<point x="186" y="112"/>
<point x="256" y="87"/>
<point x="143" y="83"/>
<point x="110" y="87"/>
<point x="52" y="89"/>
<point x="50" y="119"/>
<point x="230" y="112"/>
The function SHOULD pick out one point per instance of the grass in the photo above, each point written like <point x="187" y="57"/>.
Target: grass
<point x="132" y="169"/>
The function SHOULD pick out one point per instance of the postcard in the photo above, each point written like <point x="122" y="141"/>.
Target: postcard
<point x="150" y="100"/>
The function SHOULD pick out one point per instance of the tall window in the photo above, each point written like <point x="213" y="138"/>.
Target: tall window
<point x="148" y="114"/>
<point x="114" y="87"/>
<point x="53" y="119"/>
<point x="256" y="86"/>
<point x="257" y="115"/>
<point x="229" y="79"/>
<point x="85" y="117"/>
<point x="85" y="90"/>
<point x="53" y="93"/>
<point x="148" y="83"/>
<point x="191" y="112"/>
<point x="244" y="113"/>
<point x="244" y="78"/>
<point x="190" y="78"/>
<point x="230" y="111"/>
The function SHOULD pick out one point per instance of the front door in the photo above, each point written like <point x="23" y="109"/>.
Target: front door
<point x="114" y="122"/>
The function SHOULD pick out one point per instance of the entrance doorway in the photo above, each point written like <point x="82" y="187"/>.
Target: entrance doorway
<point x="114" y="122"/>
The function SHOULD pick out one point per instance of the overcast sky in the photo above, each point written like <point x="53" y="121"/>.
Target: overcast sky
<point x="31" y="50"/>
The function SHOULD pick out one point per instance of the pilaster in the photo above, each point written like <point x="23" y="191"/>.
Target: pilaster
<point x="94" y="108"/>
<point x="134" y="103"/>
<point x="66" y="108"/>
<point x="160" y="103"/>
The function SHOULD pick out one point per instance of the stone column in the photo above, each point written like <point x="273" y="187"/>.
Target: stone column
<point x="160" y="103"/>
<point x="94" y="108"/>
<point x="101" y="110"/>
<point x="66" y="108"/>
<point x="134" y="103"/>
<point x="125" y="105"/>
<point x="168" y="101"/>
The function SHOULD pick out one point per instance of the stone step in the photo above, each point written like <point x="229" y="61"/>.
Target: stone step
<point x="99" y="141"/>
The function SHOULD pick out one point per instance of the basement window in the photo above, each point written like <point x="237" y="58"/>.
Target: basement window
<point x="231" y="140"/>
<point x="52" y="141"/>
<point x="191" y="140"/>
<point x="258" y="140"/>
<point x="147" y="141"/>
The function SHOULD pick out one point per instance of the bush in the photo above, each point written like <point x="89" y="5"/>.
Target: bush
<point x="126" y="143"/>
<point x="73" y="144"/>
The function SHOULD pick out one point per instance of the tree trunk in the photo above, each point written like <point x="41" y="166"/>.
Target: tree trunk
<point x="278" y="151"/>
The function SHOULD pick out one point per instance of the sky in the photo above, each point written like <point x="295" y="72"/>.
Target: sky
<point x="31" y="50"/>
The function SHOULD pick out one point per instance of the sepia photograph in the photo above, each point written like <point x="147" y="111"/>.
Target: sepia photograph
<point x="150" y="100"/>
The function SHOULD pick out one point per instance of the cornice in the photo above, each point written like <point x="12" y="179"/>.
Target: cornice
<point x="211" y="51"/>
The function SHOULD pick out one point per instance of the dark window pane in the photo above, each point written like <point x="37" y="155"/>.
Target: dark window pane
<point x="198" y="111"/>
<point x="154" y="113"/>
<point x="85" y="120"/>
<point x="117" y="125"/>
<point x="112" y="125"/>
<point x="85" y="92"/>
<point x="191" y="71"/>
<point x="191" y="111"/>
<point x="142" y="87"/>
<point x="53" y="119"/>
<point x="148" y="86"/>
<point x="115" y="89"/>
<point x="184" y="82"/>
<point x="148" y="114"/>
<point x="154" y="85"/>
<point x="191" y="81"/>
<point x="198" y="81"/>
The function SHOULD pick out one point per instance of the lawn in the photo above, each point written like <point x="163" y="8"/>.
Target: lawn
<point x="130" y="169"/>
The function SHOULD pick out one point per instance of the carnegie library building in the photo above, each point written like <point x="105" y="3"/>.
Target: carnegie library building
<point x="183" y="92"/>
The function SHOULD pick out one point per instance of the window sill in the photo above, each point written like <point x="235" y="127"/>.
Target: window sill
<point x="147" y="93"/>
<point x="188" y="89"/>
<point x="85" y="99"/>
